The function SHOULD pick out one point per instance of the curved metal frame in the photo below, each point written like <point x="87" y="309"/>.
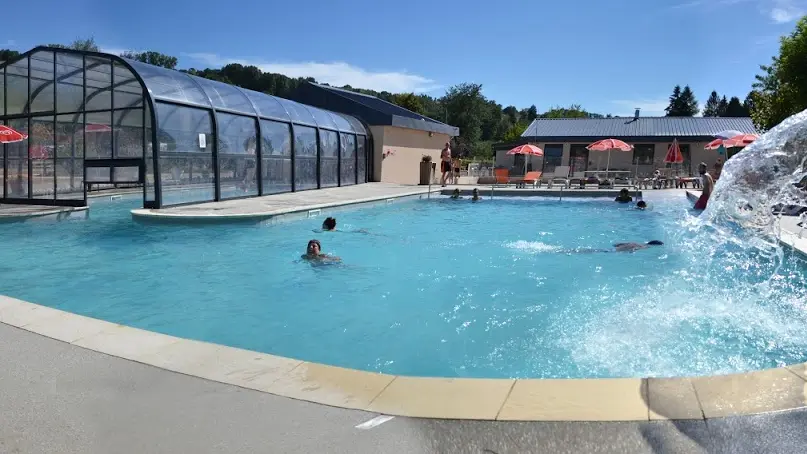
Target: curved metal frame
<point x="151" y="102"/>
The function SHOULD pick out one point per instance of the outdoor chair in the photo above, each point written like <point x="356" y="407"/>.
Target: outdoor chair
<point x="533" y="178"/>
<point x="561" y="176"/>
<point x="502" y="176"/>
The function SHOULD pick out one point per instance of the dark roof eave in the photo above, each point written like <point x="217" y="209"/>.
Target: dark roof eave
<point x="636" y="139"/>
<point x="410" y="123"/>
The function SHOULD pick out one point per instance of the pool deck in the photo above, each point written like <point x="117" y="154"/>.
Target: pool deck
<point x="644" y="402"/>
<point x="282" y="205"/>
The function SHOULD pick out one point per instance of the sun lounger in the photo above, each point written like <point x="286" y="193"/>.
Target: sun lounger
<point x="502" y="176"/>
<point x="533" y="178"/>
<point x="561" y="176"/>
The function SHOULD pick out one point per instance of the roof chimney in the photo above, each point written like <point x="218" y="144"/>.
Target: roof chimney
<point x="636" y="114"/>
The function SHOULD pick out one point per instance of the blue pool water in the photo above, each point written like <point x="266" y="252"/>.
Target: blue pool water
<point x="439" y="287"/>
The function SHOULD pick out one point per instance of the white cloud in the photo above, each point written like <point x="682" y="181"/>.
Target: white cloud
<point x="333" y="73"/>
<point x="8" y="44"/>
<point x="785" y="11"/>
<point x="649" y="107"/>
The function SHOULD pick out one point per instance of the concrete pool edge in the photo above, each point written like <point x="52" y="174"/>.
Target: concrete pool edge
<point x="276" y="214"/>
<point x="612" y="399"/>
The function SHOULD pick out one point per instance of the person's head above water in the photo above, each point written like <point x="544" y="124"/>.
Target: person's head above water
<point x="329" y="224"/>
<point x="624" y="192"/>
<point x="641" y="204"/>
<point x="314" y="248"/>
<point x="475" y="194"/>
<point x="655" y="243"/>
<point x="456" y="193"/>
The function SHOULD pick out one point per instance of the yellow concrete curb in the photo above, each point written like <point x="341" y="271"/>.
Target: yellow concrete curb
<point x="620" y="399"/>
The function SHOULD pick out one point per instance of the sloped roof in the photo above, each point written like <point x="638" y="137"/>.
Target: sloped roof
<point x="695" y="128"/>
<point x="371" y="110"/>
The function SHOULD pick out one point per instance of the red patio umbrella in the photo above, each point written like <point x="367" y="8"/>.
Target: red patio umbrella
<point x="674" y="155"/>
<point x="527" y="149"/>
<point x="609" y="145"/>
<point x="740" y="140"/>
<point x="8" y="135"/>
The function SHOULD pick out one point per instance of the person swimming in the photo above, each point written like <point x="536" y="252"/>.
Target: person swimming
<point x="618" y="247"/>
<point x="313" y="253"/>
<point x="329" y="224"/>
<point x="475" y="195"/>
<point x="624" y="196"/>
<point x="641" y="205"/>
<point x="456" y="194"/>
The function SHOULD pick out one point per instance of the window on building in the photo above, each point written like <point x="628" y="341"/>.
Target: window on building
<point x="553" y="157"/>
<point x="644" y="154"/>
<point x="578" y="158"/>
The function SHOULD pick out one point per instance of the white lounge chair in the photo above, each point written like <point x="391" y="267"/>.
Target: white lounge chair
<point x="561" y="176"/>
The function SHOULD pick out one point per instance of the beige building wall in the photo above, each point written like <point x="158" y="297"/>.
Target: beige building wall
<point x="397" y="153"/>
<point x="621" y="160"/>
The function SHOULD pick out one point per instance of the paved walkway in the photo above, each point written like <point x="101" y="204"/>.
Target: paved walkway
<point x="59" y="398"/>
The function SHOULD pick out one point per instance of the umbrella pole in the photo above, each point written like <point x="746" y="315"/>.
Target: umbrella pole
<point x="608" y="166"/>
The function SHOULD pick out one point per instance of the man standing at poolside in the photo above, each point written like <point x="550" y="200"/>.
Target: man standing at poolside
<point x="445" y="163"/>
<point x="708" y="185"/>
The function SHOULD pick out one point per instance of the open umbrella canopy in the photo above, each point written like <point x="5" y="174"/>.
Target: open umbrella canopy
<point x="8" y="135"/>
<point x="527" y="149"/>
<point x="740" y="140"/>
<point x="610" y="144"/>
<point x="728" y="134"/>
<point x="736" y="141"/>
<point x="674" y="155"/>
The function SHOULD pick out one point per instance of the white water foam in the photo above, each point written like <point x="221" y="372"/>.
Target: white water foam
<point x="532" y="247"/>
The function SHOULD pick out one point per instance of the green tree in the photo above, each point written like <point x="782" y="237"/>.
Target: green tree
<point x="532" y="113"/>
<point x="682" y="103"/>
<point x="722" y="106"/>
<point x="512" y="114"/>
<point x="735" y="108"/>
<point x="152" y="58"/>
<point x="408" y="101"/>
<point x="781" y="89"/>
<point x="87" y="44"/>
<point x="8" y="54"/>
<point x="712" y="107"/>
<point x="573" y="111"/>
<point x="513" y="134"/>
<point x="466" y="108"/>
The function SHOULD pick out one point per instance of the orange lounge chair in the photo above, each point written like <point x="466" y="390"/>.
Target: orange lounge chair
<point x="502" y="176"/>
<point x="533" y="178"/>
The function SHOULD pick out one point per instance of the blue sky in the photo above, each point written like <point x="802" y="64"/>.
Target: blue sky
<point x="609" y="56"/>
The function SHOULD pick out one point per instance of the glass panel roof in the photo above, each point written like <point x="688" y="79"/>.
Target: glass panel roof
<point x="343" y="124"/>
<point x="267" y="105"/>
<point x="169" y="84"/>
<point x="225" y="96"/>
<point x="323" y="117"/>
<point x="297" y="112"/>
<point x="357" y="125"/>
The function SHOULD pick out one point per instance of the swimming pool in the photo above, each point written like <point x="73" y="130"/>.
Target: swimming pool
<point x="438" y="288"/>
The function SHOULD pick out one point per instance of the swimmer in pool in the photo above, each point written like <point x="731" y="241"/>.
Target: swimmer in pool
<point x="641" y="205"/>
<point x="313" y="253"/>
<point x="456" y="194"/>
<point x="329" y="225"/>
<point x="624" y="196"/>
<point x="475" y="195"/>
<point x="619" y="247"/>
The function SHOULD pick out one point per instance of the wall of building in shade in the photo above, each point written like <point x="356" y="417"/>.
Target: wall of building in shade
<point x="98" y="118"/>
